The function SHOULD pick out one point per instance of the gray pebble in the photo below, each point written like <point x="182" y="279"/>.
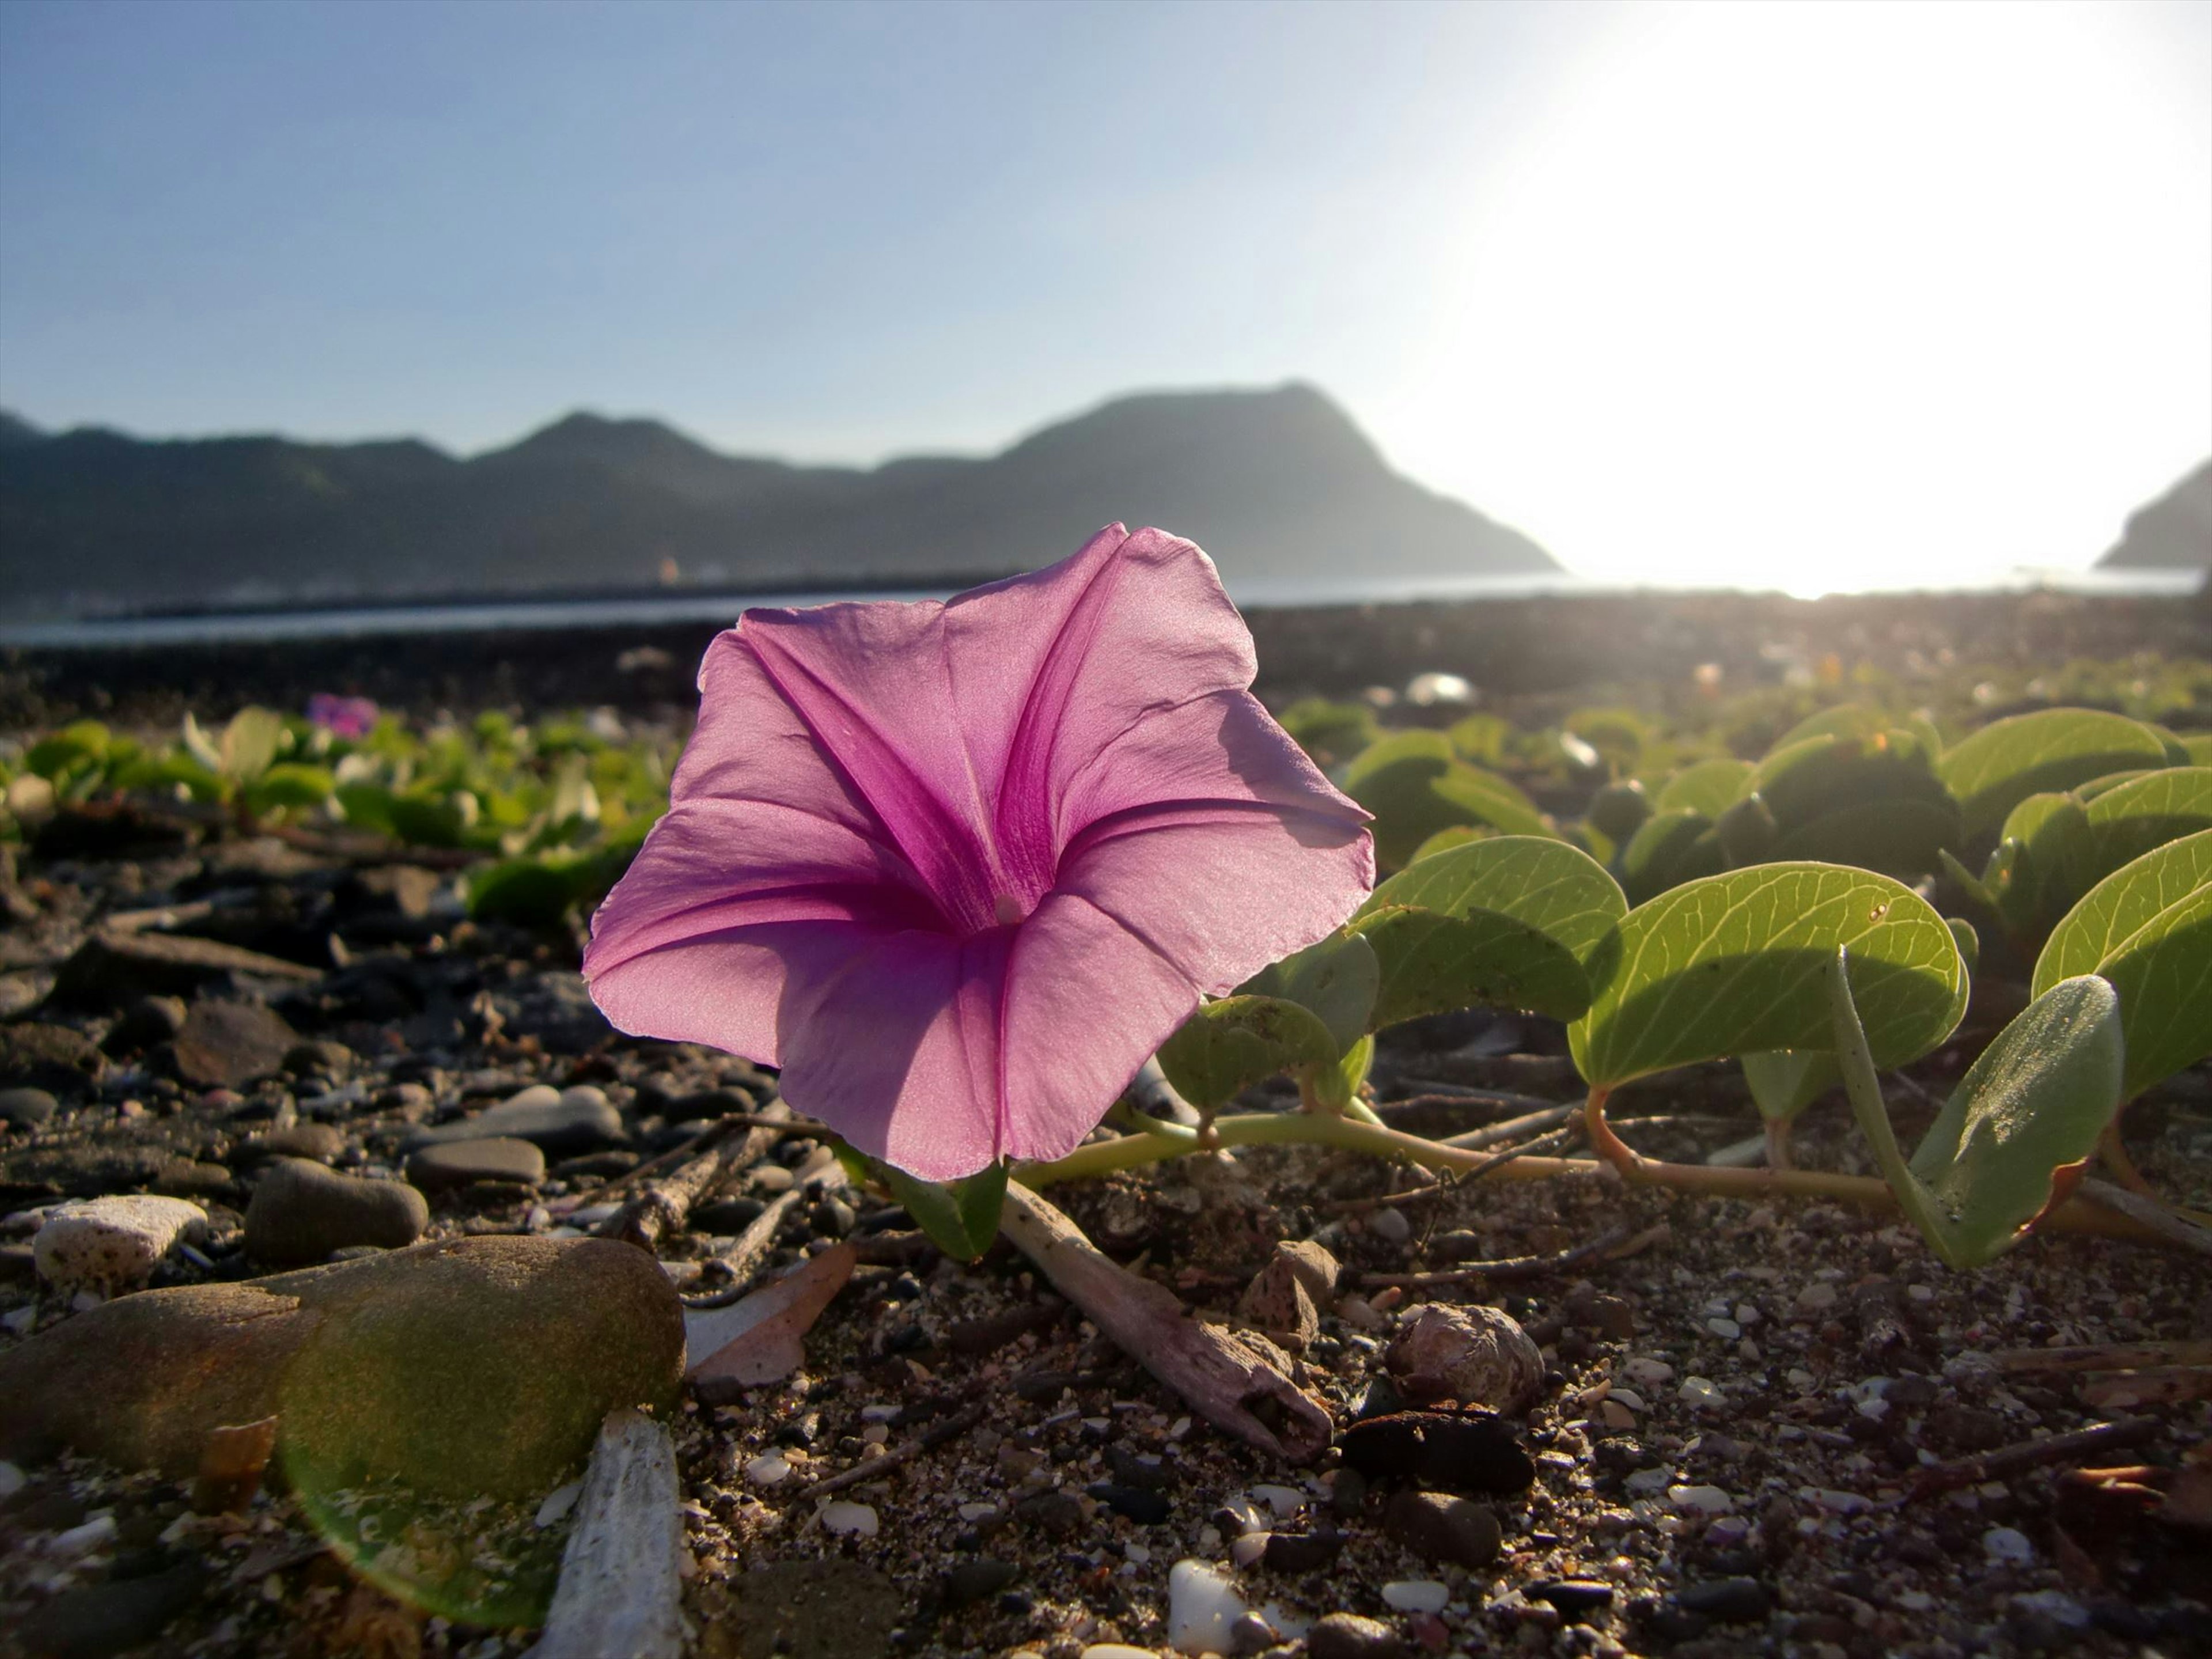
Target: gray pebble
<point x="458" y="1162"/>
<point x="1348" y="1636"/>
<point x="1440" y="1527"/>
<point x="25" y="1109"/>
<point x="1744" y="1600"/>
<point x="302" y="1212"/>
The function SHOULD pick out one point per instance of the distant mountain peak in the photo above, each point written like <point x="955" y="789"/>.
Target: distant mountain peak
<point x="2173" y="532"/>
<point x="14" y="429"/>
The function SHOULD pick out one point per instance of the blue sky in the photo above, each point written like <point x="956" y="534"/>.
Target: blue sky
<point x="1685" y="285"/>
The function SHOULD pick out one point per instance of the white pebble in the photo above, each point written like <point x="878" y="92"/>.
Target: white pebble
<point x="1248" y="1547"/>
<point x="1115" y="1650"/>
<point x="1816" y="1298"/>
<point x="1627" y="1397"/>
<point x="112" y="1243"/>
<point x="768" y="1469"/>
<point x="1649" y="1372"/>
<point x="2005" y="1544"/>
<point x="558" y="1503"/>
<point x="977" y="1512"/>
<point x="1836" y="1503"/>
<point x="1416" y="1596"/>
<point x="1136" y="1553"/>
<point x="1285" y="1501"/>
<point x="1700" y="1500"/>
<point x="1702" y="1392"/>
<point x="855" y="1520"/>
<point x="1747" y="1314"/>
<point x="1646" y="1481"/>
<point x="1390" y="1226"/>
<point x="1727" y="1329"/>
<point x="1203" y="1607"/>
<point x="2056" y="1606"/>
<point x="95" y="1533"/>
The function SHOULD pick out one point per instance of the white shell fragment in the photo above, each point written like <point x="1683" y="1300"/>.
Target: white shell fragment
<point x="621" y="1576"/>
<point x="112" y="1244"/>
<point x="1203" y="1607"/>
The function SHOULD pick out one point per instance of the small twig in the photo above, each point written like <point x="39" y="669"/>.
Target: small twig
<point x="663" y="1205"/>
<point x="928" y="1440"/>
<point x="2104" y="1356"/>
<point x="1453" y="1094"/>
<point x="745" y="1257"/>
<point x="1491" y="1134"/>
<point x="2031" y="1454"/>
<point x="2159" y="1218"/>
<point x="1608" y="1246"/>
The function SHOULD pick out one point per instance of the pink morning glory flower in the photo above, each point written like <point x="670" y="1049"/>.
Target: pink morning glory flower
<point x="342" y="717"/>
<point x="959" y="868"/>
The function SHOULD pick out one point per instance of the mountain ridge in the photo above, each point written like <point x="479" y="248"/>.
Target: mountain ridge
<point x="1277" y="482"/>
<point x="2173" y="532"/>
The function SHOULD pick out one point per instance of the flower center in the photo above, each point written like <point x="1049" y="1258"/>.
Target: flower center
<point x="1009" y="909"/>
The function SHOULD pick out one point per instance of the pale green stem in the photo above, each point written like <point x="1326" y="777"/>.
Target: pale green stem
<point x="1863" y="1086"/>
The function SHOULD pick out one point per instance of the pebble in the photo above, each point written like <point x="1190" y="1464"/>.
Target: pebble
<point x="1301" y="1552"/>
<point x="770" y="1469"/>
<point x="561" y="1121"/>
<point x="1440" y="1527"/>
<point x="147" y="1023"/>
<point x="1348" y="1636"/>
<point x="1743" y="1600"/>
<point x="1248" y="1548"/>
<point x="1113" y="1650"/>
<point x="1391" y="1226"/>
<point x="850" y="1520"/>
<point x="25" y="1109"/>
<point x="2007" y="1545"/>
<point x="318" y="1141"/>
<point x="302" y="1212"/>
<point x="458" y="1162"/>
<point x="1727" y="1329"/>
<point x="1836" y="1503"/>
<point x="1286" y="1503"/>
<point x="230" y="1044"/>
<point x="1645" y="1482"/>
<point x="1702" y="1393"/>
<point x="971" y="1580"/>
<point x="1477" y="1355"/>
<point x="2060" y="1608"/>
<point x="1650" y="1373"/>
<point x="1416" y="1596"/>
<point x="1203" y="1608"/>
<point x="1700" y="1500"/>
<point x="1573" y="1596"/>
<point x="1629" y="1397"/>
<point x="1475" y="1451"/>
<point x="1816" y="1298"/>
<point x="112" y="1244"/>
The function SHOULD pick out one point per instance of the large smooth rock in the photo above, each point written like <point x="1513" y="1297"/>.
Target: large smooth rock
<point x="302" y="1212"/>
<point x="112" y="1244"/>
<point x="26" y="1108"/>
<point x="478" y="1366"/>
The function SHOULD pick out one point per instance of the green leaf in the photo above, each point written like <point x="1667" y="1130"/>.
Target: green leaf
<point x="1619" y="809"/>
<point x="1968" y="941"/>
<point x="1785" y="1081"/>
<point x="2040" y="838"/>
<point x="75" y="745"/>
<point x="369" y="806"/>
<point x="1872" y="801"/>
<point x="2148" y="928"/>
<point x="1229" y="1045"/>
<point x="960" y="1216"/>
<point x="1512" y="921"/>
<point x="1335" y="980"/>
<point x="1486" y="798"/>
<point x="1444" y="840"/>
<point x="1857" y="719"/>
<point x="1558" y="890"/>
<point x="250" y="743"/>
<point x="1673" y="846"/>
<point x="2029" y="1112"/>
<point x="1710" y="787"/>
<point x="1481" y="739"/>
<point x="1735" y="963"/>
<point x="2005" y="763"/>
<point x="1902" y="838"/>
<point x="2124" y="823"/>
<point x="291" y="785"/>
<point x="1414" y="786"/>
<point x="528" y="892"/>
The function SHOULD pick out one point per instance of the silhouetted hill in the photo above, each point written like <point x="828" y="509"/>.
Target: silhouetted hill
<point x="1277" y="483"/>
<point x="2173" y="532"/>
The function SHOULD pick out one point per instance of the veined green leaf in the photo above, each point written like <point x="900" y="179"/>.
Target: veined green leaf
<point x="250" y="743"/>
<point x="1710" y="787"/>
<point x="2124" y="823"/>
<point x="1556" y="889"/>
<point x="2005" y="763"/>
<point x="1673" y="846"/>
<point x="1736" y="963"/>
<point x="1335" y="980"/>
<point x="2030" y="1110"/>
<point x="2148" y="928"/>
<point x="1229" y="1045"/>
<point x="960" y="1216"/>
<point x="1433" y="963"/>
<point x="1486" y="798"/>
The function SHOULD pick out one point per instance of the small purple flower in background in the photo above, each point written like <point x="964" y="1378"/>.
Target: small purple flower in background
<point x="959" y="869"/>
<point x="342" y="717"/>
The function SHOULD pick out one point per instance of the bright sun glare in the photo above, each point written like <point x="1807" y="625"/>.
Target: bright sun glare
<point x="1818" y="297"/>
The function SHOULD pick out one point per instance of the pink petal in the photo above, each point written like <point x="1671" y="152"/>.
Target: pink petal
<point x="726" y="990"/>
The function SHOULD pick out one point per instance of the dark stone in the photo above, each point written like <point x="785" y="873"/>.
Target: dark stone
<point x="1301" y="1552"/>
<point x="54" y="1058"/>
<point x="25" y="1109"/>
<point x="147" y="1023"/>
<point x="184" y="1178"/>
<point x="113" y="967"/>
<point x="576" y="1119"/>
<point x="1743" y="1600"/>
<point x="460" y="1162"/>
<point x="1146" y="1508"/>
<point x="316" y="1141"/>
<point x="1575" y="1598"/>
<point x="2123" y="1619"/>
<point x="319" y="1057"/>
<point x="94" y="1621"/>
<point x="228" y="1045"/>
<point x="1443" y="1528"/>
<point x="1055" y="1512"/>
<point x="1347" y="1497"/>
<point x="1348" y="1636"/>
<point x="606" y="1166"/>
<point x="1471" y="1450"/>
<point x="973" y="1581"/>
<point x="708" y="1103"/>
<point x="1140" y="1469"/>
<point x="302" y="1212"/>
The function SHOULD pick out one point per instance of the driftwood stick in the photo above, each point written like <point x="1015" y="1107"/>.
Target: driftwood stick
<point x="1224" y="1380"/>
<point x="662" y="1206"/>
<point x="2104" y="1357"/>
<point x="621" y="1589"/>
<point x="2033" y="1454"/>
<point x="2143" y="1208"/>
